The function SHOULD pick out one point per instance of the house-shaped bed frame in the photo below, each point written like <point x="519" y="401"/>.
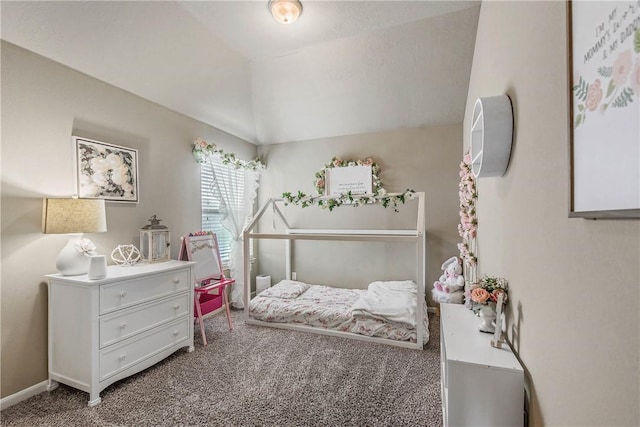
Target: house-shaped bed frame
<point x="290" y="234"/>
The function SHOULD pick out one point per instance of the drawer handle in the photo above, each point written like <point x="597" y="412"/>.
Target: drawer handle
<point x="122" y="357"/>
<point x="176" y="280"/>
<point x="123" y="325"/>
<point x="123" y="294"/>
<point x="175" y="332"/>
<point x="177" y="306"/>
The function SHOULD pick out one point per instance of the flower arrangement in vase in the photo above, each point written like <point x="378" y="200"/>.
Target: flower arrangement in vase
<point x="487" y="291"/>
<point x="484" y="297"/>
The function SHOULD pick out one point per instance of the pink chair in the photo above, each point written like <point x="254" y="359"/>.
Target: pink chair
<point x="205" y="302"/>
<point x="203" y="249"/>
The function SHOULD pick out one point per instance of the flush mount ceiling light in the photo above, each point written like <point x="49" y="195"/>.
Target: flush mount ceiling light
<point x="285" y="11"/>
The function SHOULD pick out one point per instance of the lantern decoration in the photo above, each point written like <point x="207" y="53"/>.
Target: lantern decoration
<point x="155" y="241"/>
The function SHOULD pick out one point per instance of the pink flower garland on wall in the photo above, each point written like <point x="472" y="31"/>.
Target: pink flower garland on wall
<point x="468" y="227"/>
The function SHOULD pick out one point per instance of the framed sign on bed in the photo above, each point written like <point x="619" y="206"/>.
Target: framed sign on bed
<point x="350" y="179"/>
<point x="604" y="78"/>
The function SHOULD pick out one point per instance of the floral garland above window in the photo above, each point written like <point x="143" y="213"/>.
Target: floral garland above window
<point x="379" y="195"/>
<point x="468" y="227"/>
<point x="203" y="149"/>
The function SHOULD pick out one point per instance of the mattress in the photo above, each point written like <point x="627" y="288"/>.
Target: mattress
<point x="326" y="307"/>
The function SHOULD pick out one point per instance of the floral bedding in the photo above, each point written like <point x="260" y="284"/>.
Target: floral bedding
<point x="329" y="308"/>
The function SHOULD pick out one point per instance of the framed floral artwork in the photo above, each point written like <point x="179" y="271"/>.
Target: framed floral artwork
<point x="105" y="171"/>
<point x="604" y="107"/>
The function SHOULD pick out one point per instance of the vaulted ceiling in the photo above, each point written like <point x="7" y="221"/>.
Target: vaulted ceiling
<point x="346" y="67"/>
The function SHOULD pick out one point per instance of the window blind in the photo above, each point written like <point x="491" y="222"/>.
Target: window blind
<point x="230" y="178"/>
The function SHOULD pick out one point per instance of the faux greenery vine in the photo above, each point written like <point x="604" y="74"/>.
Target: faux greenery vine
<point x="379" y="195"/>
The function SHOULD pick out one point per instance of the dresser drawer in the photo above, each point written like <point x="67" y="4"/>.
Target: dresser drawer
<point x="127" y="353"/>
<point x="126" y="323"/>
<point x="123" y="294"/>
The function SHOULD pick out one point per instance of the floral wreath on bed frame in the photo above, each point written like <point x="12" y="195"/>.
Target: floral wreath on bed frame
<point x="379" y="195"/>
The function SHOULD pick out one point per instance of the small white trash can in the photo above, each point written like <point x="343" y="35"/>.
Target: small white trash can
<point x="263" y="281"/>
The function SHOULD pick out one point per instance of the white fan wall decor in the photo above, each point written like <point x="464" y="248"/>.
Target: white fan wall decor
<point x="491" y="136"/>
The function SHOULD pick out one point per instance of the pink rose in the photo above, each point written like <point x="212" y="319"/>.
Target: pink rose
<point x="635" y="78"/>
<point x="496" y="293"/>
<point x="594" y="95"/>
<point x="479" y="295"/>
<point x="337" y="162"/>
<point x="621" y="67"/>
<point x="467" y="159"/>
<point x="320" y="183"/>
<point x="368" y="161"/>
<point x="462" y="248"/>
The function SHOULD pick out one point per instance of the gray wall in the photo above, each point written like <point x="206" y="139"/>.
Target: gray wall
<point x="574" y="309"/>
<point x="43" y="105"/>
<point x="423" y="159"/>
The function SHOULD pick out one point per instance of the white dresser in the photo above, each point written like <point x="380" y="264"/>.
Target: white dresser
<point x="101" y="331"/>
<point x="481" y="385"/>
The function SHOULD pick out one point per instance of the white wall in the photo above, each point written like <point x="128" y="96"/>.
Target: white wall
<point x="422" y="159"/>
<point x="575" y="284"/>
<point x="404" y="76"/>
<point x="43" y="105"/>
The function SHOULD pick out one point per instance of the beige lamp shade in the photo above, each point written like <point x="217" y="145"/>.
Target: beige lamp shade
<point x="66" y="216"/>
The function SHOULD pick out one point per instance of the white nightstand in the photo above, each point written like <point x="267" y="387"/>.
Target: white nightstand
<point x="101" y="331"/>
<point x="481" y="385"/>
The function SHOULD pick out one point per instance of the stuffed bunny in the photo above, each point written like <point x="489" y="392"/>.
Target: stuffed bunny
<point x="449" y="288"/>
<point x="452" y="280"/>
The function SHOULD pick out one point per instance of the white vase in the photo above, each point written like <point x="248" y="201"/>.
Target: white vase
<point x="72" y="262"/>
<point x="97" y="267"/>
<point x="487" y="321"/>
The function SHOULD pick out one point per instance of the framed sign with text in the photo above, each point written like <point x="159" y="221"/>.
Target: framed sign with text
<point x="349" y="179"/>
<point x="604" y="78"/>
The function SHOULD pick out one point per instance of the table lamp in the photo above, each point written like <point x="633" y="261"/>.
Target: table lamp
<point x="73" y="217"/>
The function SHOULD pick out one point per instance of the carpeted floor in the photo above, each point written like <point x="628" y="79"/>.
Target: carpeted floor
<point x="256" y="376"/>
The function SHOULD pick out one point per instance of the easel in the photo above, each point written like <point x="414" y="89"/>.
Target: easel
<point x="202" y="248"/>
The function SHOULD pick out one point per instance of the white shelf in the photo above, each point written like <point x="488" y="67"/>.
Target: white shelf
<point x="481" y="385"/>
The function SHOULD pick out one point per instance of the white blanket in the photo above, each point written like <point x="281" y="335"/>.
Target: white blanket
<point x="392" y="301"/>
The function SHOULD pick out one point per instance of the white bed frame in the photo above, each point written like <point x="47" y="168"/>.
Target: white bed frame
<point x="416" y="235"/>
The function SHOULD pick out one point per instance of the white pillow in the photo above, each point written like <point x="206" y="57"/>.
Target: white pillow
<point x="395" y="286"/>
<point x="286" y="289"/>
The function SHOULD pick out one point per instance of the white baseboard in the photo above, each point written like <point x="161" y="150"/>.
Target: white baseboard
<point x="23" y="395"/>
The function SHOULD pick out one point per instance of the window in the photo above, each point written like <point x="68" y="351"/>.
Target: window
<point x="211" y="215"/>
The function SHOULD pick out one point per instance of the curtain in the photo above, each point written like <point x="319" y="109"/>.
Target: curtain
<point x="236" y="211"/>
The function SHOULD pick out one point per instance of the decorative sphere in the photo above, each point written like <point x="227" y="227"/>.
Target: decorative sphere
<point x="125" y="255"/>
